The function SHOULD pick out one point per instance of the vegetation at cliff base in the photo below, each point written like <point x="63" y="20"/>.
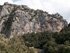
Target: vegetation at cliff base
<point x="35" y="42"/>
<point x="50" y="42"/>
<point x="15" y="45"/>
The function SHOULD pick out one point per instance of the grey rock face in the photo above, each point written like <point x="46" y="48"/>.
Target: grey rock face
<point x="16" y="19"/>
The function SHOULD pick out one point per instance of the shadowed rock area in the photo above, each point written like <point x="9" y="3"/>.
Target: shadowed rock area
<point x="20" y="19"/>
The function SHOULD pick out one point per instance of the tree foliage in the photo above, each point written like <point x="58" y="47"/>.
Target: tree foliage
<point x="15" y="45"/>
<point x="28" y="43"/>
<point x="50" y="42"/>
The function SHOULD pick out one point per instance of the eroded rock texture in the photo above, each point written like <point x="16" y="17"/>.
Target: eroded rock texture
<point x="20" y="19"/>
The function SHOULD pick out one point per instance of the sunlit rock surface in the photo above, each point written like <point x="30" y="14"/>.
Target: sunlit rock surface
<point x="20" y="19"/>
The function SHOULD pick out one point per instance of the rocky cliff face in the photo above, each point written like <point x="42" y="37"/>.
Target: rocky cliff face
<point x="20" y="19"/>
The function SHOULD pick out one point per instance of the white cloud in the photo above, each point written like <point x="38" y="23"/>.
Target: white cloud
<point x="51" y="6"/>
<point x="3" y="1"/>
<point x="35" y="4"/>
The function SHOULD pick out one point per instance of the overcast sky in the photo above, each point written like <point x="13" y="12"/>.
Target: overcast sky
<point x="51" y="6"/>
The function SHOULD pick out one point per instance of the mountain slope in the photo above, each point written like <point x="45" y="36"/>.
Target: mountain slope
<point x="20" y="19"/>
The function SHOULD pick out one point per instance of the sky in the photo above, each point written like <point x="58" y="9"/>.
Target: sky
<point x="51" y="6"/>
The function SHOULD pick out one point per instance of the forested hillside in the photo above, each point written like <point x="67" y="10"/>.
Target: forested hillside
<point x="50" y="42"/>
<point x="25" y="30"/>
<point x="47" y="42"/>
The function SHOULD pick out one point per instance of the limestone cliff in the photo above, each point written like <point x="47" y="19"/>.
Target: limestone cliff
<point x="20" y="19"/>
